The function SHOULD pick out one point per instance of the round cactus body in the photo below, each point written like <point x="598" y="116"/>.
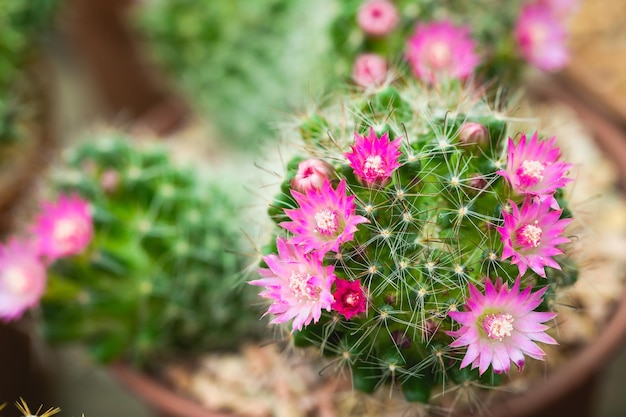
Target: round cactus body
<point x="163" y="271"/>
<point x="419" y="224"/>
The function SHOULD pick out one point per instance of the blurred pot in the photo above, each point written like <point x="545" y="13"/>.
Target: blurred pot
<point x="126" y="85"/>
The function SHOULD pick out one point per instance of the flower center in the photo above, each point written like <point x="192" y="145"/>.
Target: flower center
<point x="529" y="235"/>
<point x="352" y="299"/>
<point x="66" y="228"/>
<point x="530" y="172"/>
<point x="16" y="281"/>
<point x="301" y="287"/>
<point x="439" y="55"/>
<point x="538" y="33"/>
<point x="374" y="166"/>
<point x="326" y="221"/>
<point x="498" y="326"/>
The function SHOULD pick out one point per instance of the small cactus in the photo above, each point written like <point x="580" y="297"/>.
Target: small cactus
<point x="162" y="272"/>
<point x="382" y="265"/>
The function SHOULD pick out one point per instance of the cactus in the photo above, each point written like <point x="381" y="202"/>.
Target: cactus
<point x="381" y="266"/>
<point x="22" y="24"/>
<point x="243" y="61"/>
<point x="161" y="275"/>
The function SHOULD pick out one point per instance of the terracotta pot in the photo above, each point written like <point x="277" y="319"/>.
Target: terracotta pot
<point x="129" y="89"/>
<point x="568" y="391"/>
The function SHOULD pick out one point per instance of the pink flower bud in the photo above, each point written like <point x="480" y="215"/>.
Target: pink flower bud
<point x="377" y="17"/>
<point x="109" y="180"/>
<point x="311" y="175"/>
<point x="472" y="133"/>
<point x="477" y="182"/>
<point x="369" y="69"/>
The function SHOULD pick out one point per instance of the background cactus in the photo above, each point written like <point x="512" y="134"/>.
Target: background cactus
<point x="241" y="62"/>
<point x="23" y="25"/>
<point x="431" y="230"/>
<point x="161" y="275"/>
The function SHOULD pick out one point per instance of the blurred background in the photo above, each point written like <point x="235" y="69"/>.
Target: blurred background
<point x="172" y="97"/>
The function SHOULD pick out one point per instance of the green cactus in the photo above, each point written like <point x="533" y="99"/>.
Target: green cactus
<point x="23" y="24"/>
<point x="241" y="62"/>
<point x="431" y="231"/>
<point x="162" y="273"/>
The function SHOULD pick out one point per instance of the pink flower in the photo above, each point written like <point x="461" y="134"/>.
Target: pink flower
<point x="311" y="175"/>
<point x="64" y="228"/>
<point x="298" y="283"/>
<point x="22" y="278"/>
<point x="440" y="50"/>
<point x="530" y="236"/>
<point x="560" y="8"/>
<point x="374" y="159"/>
<point x="349" y="298"/>
<point x="532" y="168"/>
<point x="325" y="219"/>
<point x="541" y="38"/>
<point x="369" y="69"/>
<point x="377" y="17"/>
<point x="501" y="327"/>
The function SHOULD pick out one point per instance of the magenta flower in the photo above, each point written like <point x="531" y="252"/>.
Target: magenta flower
<point x="501" y="327"/>
<point x="325" y="219"/>
<point x="349" y="298"/>
<point x="560" y="8"/>
<point x="298" y="283"/>
<point x="22" y="278"/>
<point x="377" y="17"/>
<point x="311" y="175"/>
<point x="440" y="50"/>
<point x="541" y="37"/>
<point x="64" y="228"/>
<point x="532" y="168"/>
<point x="374" y="159"/>
<point x="530" y="236"/>
<point x="369" y="70"/>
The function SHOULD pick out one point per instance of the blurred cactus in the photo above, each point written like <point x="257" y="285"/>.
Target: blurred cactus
<point x="161" y="275"/>
<point x="242" y="62"/>
<point x="23" y="25"/>
<point x="375" y="266"/>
